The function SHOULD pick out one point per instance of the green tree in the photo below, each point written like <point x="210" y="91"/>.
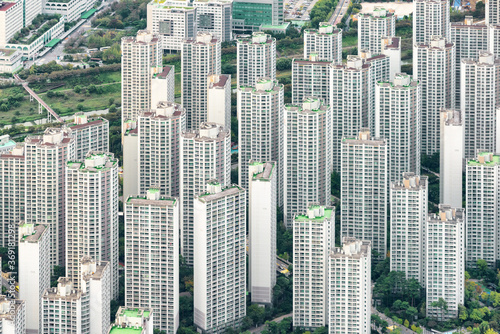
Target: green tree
<point x="462" y="313"/>
<point x="256" y="313"/>
<point x="406" y="323"/>
<point x="442" y="305"/>
<point x="77" y="89"/>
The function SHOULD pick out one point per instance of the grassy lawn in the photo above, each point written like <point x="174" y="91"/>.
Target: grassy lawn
<point x="348" y="41"/>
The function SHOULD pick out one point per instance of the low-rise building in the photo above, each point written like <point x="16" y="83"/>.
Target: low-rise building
<point x="10" y="60"/>
<point x="138" y="320"/>
<point x="72" y="9"/>
<point x="12" y="316"/>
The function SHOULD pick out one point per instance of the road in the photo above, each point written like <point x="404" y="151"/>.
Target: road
<point x="277" y="320"/>
<point x="339" y="12"/>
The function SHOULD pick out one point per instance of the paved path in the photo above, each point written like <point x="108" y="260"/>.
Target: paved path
<point x="404" y="330"/>
<point x="339" y="12"/>
<point x="277" y="320"/>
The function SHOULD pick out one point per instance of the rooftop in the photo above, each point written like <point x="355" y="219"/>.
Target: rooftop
<point x="161" y="201"/>
<point x="485" y="159"/>
<point x="118" y="329"/>
<point x="31" y="232"/>
<point x="231" y="190"/>
<point x="6" y="5"/>
<point x="267" y="169"/>
<point x="319" y="212"/>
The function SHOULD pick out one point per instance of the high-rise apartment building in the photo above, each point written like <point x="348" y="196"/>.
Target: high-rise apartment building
<point x="250" y="15"/>
<point x="431" y="18"/>
<point x="311" y="77"/>
<point x="350" y="101"/>
<point x="159" y="133"/>
<point x="434" y="68"/>
<point x="12" y="315"/>
<point x="256" y="56"/>
<point x="139" y="319"/>
<point x="34" y="270"/>
<point x="313" y="237"/>
<point x="397" y="120"/>
<point x="200" y="58"/>
<point x="215" y="17"/>
<point x="391" y="47"/>
<point x="445" y="265"/>
<point x="46" y="158"/>
<point x="325" y="42"/>
<point x="451" y="157"/>
<point x="12" y="192"/>
<point x="483" y="208"/>
<point x="479" y="102"/>
<point x="469" y="39"/>
<point x="262" y="204"/>
<point x="11" y="14"/>
<point x="89" y="134"/>
<point x="364" y="190"/>
<point x="408" y="205"/>
<point x="152" y="257"/>
<point x="92" y="215"/>
<point x="205" y="155"/>
<point x="308" y="151"/>
<point x="349" y="289"/>
<point x="219" y="257"/>
<point x="261" y="125"/>
<point x="141" y="58"/>
<point x="130" y="159"/>
<point x="173" y="23"/>
<point x="494" y="39"/>
<point x="219" y="100"/>
<point x="492" y="12"/>
<point x="66" y="309"/>
<point x="163" y="86"/>
<point x="373" y="26"/>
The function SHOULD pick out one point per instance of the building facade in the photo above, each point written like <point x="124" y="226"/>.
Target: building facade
<point x="89" y="134"/>
<point x="408" y="205"/>
<point x="311" y="77"/>
<point x="431" y="18"/>
<point x="313" y="237"/>
<point x="391" y="47"/>
<point x="219" y="100"/>
<point x="205" y="155"/>
<point x="12" y="315"/>
<point x="219" y="258"/>
<point x="483" y="208"/>
<point x="92" y="215"/>
<point x="201" y="57"/>
<point x="256" y="56"/>
<point x="308" y="150"/>
<point x="325" y="42"/>
<point x="250" y="15"/>
<point x="215" y="17"/>
<point x="163" y="86"/>
<point x="152" y="232"/>
<point x="397" y="120"/>
<point x="373" y="26"/>
<point x="364" y="190"/>
<point x="445" y="261"/>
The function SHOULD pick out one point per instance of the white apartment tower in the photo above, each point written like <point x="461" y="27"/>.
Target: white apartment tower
<point x="12" y="315"/>
<point x="11" y="22"/>
<point x="173" y="23"/>
<point x="163" y="86"/>
<point x="325" y="42"/>
<point x="12" y="192"/>
<point x="256" y="56"/>
<point x="89" y="134"/>
<point x="66" y="309"/>
<point x="480" y="80"/>
<point x="483" y="208"/>
<point x="434" y="68"/>
<point x="130" y="159"/>
<point x="431" y="18"/>
<point x="262" y="204"/>
<point x="397" y="120"/>
<point x="311" y="77"/>
<point x="46" y="158"/>
<point x="159" y="133"/>
<point x="92" y="215"/>
<point x="215" y="17"/>
<point x="350" y="101"/>
<point x="349" y="290"/>
<point x="391" y="47"/>
<point x="373" y="26"/>
<point x="451" y="157"/>
<point x="408" y="205"/>
<point x="261" y="126"/>
<point x="141" y="58"/>
<point x="219" y="258"/>
<point x="152" y="232"/>
<point x="313" y="237"/>
<point x="492" y="12"/>
<point x="200" y="58"/>
<point x="494" y="39"/>
<point x="219" y="100"/>
<point x="205" y="155"/>
<point x="34" y="270"/>
<point x="469" y="40"/>
<point x="308" y="151"/>
<point x="445" y="267"/>
<point x="364" y="191"/>
<point x="137" y="318"/>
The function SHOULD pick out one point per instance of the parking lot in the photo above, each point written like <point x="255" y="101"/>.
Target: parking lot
<point x="298" y="9"/>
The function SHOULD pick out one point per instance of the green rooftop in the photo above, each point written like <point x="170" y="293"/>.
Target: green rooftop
<point x="327" y="215"/>
<point x="53" y="42"/>
<point x="495" y="160"/>
<point x="120" y="330"/>
<point x="88" y="13"/>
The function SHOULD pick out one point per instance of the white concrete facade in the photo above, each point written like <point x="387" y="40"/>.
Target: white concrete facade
<point x="71" y="9"/>
<point x="215" y="17"/>
<point x="219" y="100"/>
<point x="256" y="56"/>
<point x="311" y="77"/>
<point x="325" y="42"/>
<point x="11" y="20"/>
<point x="90" y="134"/>
<point x="163" y="86"/>
<point x="12" y="316"/>
<point x="431" y="18"/>
<point x="391" y="47"/>
<point x="373" y="26"/>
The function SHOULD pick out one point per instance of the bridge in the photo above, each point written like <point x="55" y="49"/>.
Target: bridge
<point x="41" y="103"/>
